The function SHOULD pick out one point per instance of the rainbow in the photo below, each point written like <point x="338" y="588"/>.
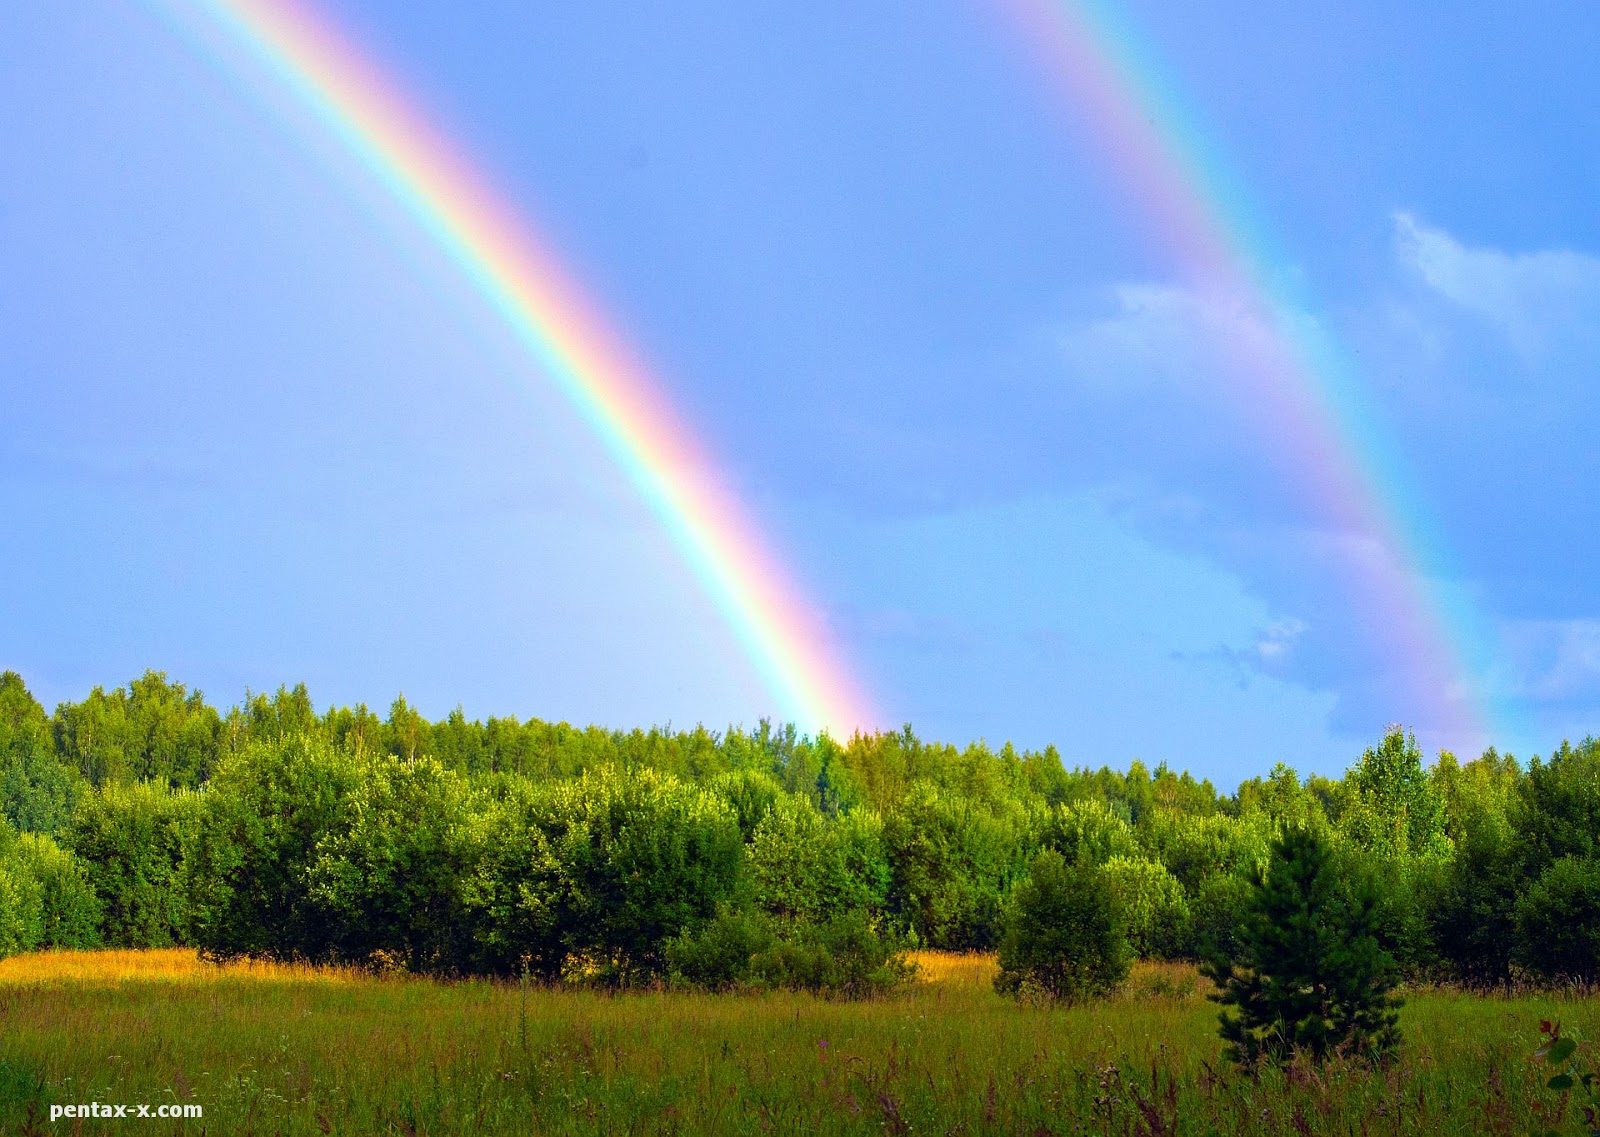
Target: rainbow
<point x="1289" y="370"/>
<point x="565" y="334"/>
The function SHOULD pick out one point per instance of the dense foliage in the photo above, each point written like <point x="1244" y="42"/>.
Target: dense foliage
<point x="1065" y="934"/>
<point x="145" y="816"/>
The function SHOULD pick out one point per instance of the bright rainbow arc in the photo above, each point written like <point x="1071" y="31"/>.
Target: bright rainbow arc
<point x="1292" y="373"/>
<point x="589" y="362"/>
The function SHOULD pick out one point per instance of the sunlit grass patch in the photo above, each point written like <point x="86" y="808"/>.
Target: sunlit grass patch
<point x="306" y="1051"/>
<point x="90" y="968"/>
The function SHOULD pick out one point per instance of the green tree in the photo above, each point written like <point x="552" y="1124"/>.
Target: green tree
<point x="1063" y="933"/>
<point x="1310" y="977"/>
<point x="953" y="859"/>
<point x="806" y="867"/>
<point x="151" y="730"/>
<point x="1393" y="808"/>
<point x="37" y="792"/>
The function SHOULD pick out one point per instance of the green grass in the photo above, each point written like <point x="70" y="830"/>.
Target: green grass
<point x="299" y="1051"/>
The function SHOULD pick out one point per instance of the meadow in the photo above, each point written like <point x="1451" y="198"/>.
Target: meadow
<point x="276" y="1049"/>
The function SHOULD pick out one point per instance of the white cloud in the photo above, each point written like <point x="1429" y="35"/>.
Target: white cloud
<point x="1530" y="297"/>
<point x="1162" y="335"/>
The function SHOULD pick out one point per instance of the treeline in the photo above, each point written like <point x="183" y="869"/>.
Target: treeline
<point x="143" y="816"/>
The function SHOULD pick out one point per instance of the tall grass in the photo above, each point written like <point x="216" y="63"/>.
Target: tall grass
<point x="272" y="1049"/>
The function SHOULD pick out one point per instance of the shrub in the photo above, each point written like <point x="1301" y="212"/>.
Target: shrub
<point x="850" y="954"/>
<point x="263" y="817"/>
<point x="1155" y="914"/>
<point x="69" y="915"/>
<point x="1310" y="977"/>
<point x="135" y="843"/>
<point x="386" y="879"/>
<point x="717" y="956"/>
<point x="21" y="906"/>
<point x="1063" y="933"/>
<point x="1217" y="915"/>
<point x="513" y="894"/>
<point x="643" y="857"/>
<point x="1558" y="922"/>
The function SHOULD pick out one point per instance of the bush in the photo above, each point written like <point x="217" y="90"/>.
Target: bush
<point x="1155" y="913"/>
<point x="642" y="858"/>
<point x="21" y="905"/>
<point x="1063" y="933"/>
<point x="386" y="879"/>
<point x="1558" y="922"/>
<point x="264" y="815"/>
<point x="134" y="843"/>
<point x="717" y="956"/>
<point x="514" y="897"/>
<point x="69" y="915"/>
<point x="850" y="954"/>
<point x="1217" y="916"/>
<point x="1310" y="977"/>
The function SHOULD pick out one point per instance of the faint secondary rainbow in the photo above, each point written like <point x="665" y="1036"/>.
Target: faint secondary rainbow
<point x="565" y="334"/>
<point x="1290" y="371"/>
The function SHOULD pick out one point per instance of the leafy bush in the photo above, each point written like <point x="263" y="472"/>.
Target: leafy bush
<point x="849" y="954"/>
<point x="69" y="915"/>
<point x="643" y="858"/>
<point x="1063" y="933"/>
<point x="806" y="867"/>
<point x="134" y="843"/>
<point x="263" y="818"/>
<point x="1310" y="977"/>
<point x="1558" y="922"/>
<point x="514" y="897"/>
<point x="1155" y="914"/>
<point x="718" y="955"/>
<point x="386" y="879"/>
<point x="21" y="905"/>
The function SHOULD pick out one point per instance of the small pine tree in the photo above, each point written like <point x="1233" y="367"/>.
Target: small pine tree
<point x="1309" y="977"/>
<point x="1063" y="936"/>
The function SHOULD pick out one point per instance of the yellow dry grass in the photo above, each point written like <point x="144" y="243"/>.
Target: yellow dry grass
<point x="955" y="969"/>
<point x="177" y="965"/>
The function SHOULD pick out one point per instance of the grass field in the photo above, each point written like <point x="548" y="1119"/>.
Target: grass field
<point x="289" y="1050"/>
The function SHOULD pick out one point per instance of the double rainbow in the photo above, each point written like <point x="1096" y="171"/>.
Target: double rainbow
<point x="1289" y="368"/>
<point x="590" y="363"/>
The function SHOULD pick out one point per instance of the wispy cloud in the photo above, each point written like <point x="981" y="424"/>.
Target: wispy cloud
<point x="1158" y="335"/>
<point x="1553" y="660"/>
<point x="1533" y="298"/>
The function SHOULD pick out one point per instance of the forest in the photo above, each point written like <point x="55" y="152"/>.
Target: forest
<point x="144" y="817"/>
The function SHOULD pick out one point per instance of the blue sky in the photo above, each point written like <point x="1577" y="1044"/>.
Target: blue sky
<point x="256" y="431"/>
